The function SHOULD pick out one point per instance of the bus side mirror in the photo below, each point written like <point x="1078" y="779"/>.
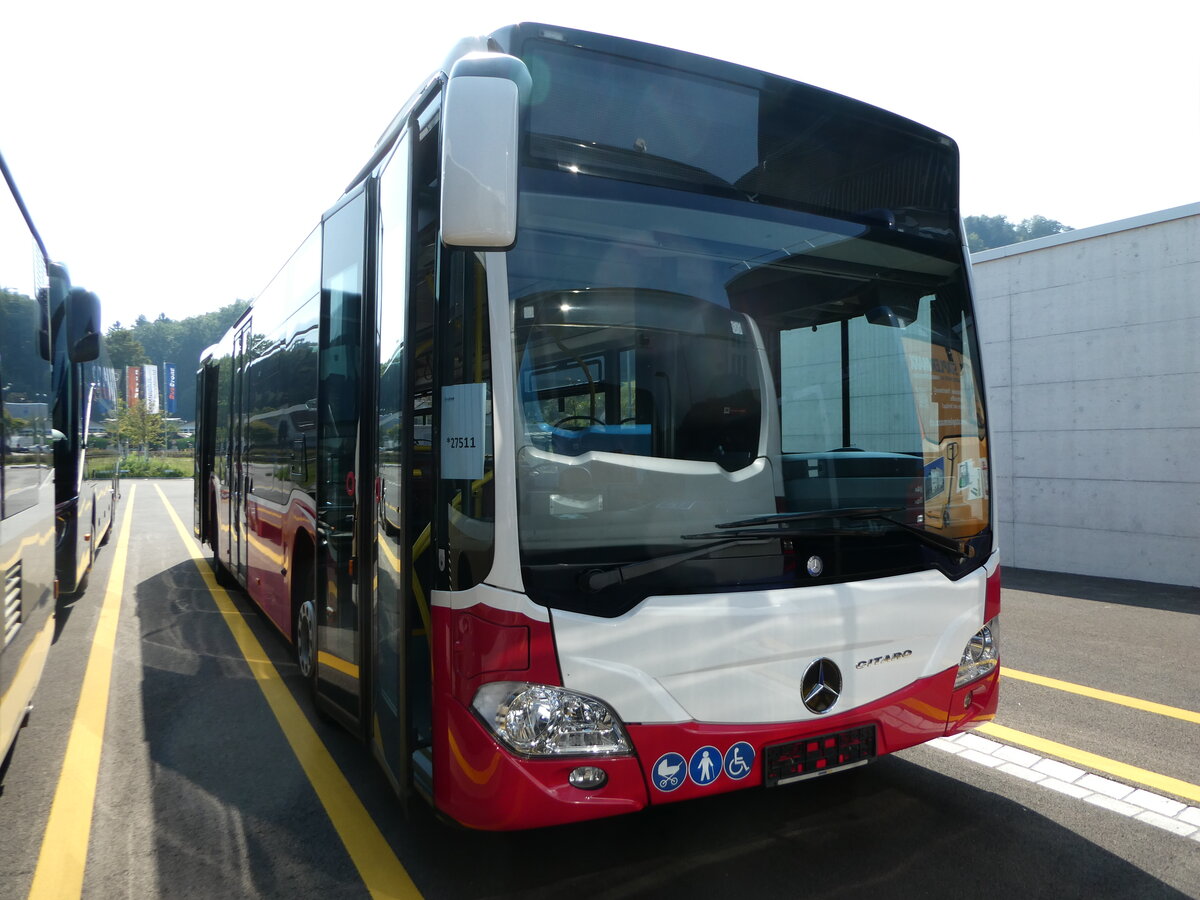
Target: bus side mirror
<point x="83" y="325"/>
<point x="480" y="131"/>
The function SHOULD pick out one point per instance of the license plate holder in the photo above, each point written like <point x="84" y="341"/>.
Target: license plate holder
<point x="815" y="756"/>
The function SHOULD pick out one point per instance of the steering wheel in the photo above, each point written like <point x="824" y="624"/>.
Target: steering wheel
<point x="591" y="419"/>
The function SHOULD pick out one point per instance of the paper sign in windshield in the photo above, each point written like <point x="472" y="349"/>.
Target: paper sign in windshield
<point x="464" y="431"/>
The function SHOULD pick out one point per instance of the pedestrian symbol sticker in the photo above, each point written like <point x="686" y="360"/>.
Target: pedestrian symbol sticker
<point x="669" y="772"/>
<point x="705" y="766"/>
<point x="738" y="760"/>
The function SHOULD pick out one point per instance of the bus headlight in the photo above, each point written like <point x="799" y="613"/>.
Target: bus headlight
<point x="540" y="720"/>
<point x="980" y="656"/>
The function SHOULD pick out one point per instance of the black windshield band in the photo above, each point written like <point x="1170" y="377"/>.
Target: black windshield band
<point x="765" y="136"/>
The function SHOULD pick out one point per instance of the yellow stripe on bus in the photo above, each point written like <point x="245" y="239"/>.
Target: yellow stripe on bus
<point x="25" y="544"/>
<point x="1096" y="694"/>
<point x="23" y="684"/>
<point x="1162" y="783"/>
<point x="64" y="850"/>
<point x="380" y="870"/>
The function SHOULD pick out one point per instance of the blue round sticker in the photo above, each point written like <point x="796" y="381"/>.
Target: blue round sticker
<point x="739" y="759"/>
<point x="669" y="772"/>
<point x="705" y="766"/>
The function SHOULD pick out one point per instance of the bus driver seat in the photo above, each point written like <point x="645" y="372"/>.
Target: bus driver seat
<point x="723" y="425"/>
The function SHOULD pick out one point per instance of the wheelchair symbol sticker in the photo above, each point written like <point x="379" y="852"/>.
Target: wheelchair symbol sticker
<point x="669" y="772"/>
<point x="705" y="766"/>
<point x="739" y="759"/>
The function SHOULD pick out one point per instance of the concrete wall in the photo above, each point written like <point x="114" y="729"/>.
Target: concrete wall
<point x="1091" y="347"/>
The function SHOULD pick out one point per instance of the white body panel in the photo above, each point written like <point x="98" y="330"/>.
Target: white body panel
<point x="493" y="598"/>
<point x="740" y="657"/>
<point x="506" y="565"/>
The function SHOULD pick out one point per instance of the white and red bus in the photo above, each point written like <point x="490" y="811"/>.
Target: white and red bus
<point x="619" y="437"/>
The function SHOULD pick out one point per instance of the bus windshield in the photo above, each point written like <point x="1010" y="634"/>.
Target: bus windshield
<point x="712" y="393"/>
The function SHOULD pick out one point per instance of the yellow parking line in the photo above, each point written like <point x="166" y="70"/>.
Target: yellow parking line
<point x="381" y="871"/>
<point x="63" y="855"/>
<point x="1095" y="693"/>
<point x="338" y="664"/>
<point x="1125" y="772"/>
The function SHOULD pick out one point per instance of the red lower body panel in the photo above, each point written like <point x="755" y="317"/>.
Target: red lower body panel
<point x="482" y="785"/>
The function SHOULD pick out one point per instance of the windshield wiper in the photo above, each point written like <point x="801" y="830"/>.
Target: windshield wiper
<point x="850" y="512"/>
<point x="598" y="579"/>
<point x="960" y="548"/>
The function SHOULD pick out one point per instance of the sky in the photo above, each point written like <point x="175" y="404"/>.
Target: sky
<point x="174" y="154"/>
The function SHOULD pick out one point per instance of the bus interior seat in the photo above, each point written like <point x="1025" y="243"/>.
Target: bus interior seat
<point x="723" y="426"/>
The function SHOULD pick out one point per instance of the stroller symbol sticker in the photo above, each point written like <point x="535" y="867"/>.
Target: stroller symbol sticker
<point x="669" y="772"/>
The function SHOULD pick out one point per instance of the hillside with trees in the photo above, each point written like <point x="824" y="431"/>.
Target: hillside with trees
<point x="986" y="232"/>
<point x="166" y="340"/>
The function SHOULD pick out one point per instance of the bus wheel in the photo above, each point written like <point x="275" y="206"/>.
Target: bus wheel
<point x="306" y="640"/>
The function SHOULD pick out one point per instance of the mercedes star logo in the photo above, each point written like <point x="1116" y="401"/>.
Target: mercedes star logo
<point x="821" y="686"/>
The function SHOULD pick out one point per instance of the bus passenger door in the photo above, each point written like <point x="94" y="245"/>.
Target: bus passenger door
<point x="206" y="412"/>
<point x="409" y="253"/>
<point x="240" y="474"/>
<point x="390" y="626"/>
<point x="342" y="555"/>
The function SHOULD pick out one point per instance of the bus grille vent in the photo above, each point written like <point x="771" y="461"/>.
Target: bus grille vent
<point x="12" y="603"/>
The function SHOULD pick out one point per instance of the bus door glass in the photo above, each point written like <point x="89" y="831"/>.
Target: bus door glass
<point x="339" y="403"/>
<point x="206" y="414"/>
<point x="409" y="254"/>
<point x="392" y="461"/>
<point x="424" y="276"/>
<point x="240" y="476"/>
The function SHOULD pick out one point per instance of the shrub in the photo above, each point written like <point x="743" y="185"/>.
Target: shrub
<point x="154" y="467"/>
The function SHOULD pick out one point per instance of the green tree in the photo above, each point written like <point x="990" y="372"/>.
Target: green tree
<point x="986" y="232"/>
<point x="124" y="349"/>
<point x="13" y="425"/>
<point x="1040" y="226"/>
<point x="181" y="342"/>
<point x="137" y="427"/>
<point x="24" y="370"/>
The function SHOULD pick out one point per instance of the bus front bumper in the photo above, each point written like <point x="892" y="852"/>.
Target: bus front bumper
<point x="481" y="784"/>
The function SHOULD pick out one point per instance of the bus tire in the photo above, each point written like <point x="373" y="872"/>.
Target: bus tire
<point x="306" y="640"/>
<point x="304" y="614"/>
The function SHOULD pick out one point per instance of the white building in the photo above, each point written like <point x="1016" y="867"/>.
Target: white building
<point x="1091" y="346"/>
